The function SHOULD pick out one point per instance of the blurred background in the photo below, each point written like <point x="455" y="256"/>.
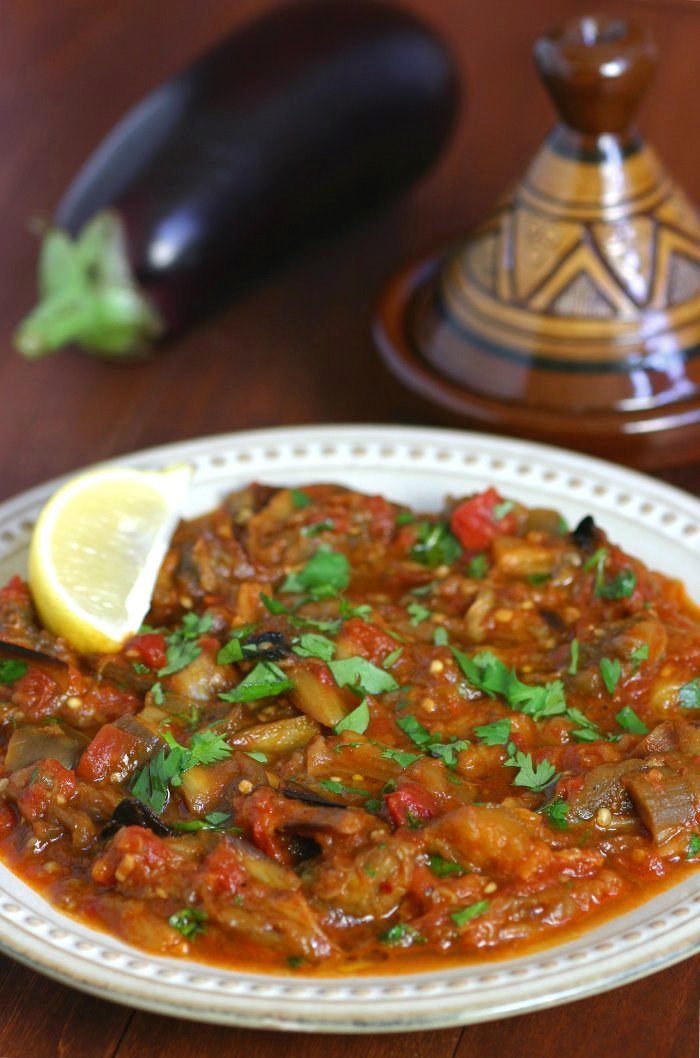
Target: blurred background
<point x="70" y="70"/>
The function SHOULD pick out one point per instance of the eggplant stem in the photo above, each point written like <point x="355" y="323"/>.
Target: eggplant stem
<point x="89" y="296"/>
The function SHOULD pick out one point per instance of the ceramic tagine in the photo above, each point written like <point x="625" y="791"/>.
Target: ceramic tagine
<point x="573" y="313"/>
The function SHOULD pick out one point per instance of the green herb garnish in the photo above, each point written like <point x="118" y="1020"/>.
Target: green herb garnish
<point x="266" y="680"/>
<point x="357" y="720"/>
<point x="630" y="722"/>
<point x="189" y="922"/>
<point x="466" y="914"/>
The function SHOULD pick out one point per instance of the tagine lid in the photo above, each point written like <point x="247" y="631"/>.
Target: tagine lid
<point x="573" y="312"/>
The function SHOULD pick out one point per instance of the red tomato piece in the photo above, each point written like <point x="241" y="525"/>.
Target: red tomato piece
<point x="111" y="750"/>
<point x="149" y="648"/>
<point x="411" y="801"/>
<point x="360" y="638"/>
<point x="475" y="522"/>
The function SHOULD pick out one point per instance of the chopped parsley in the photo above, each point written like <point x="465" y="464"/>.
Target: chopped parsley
<point x="436" y="545"/>
<point x="357" y="720"/>
<point x="574" y="655"/>
<point x="211" y="821"/>
<point x="496" y="733"/>
<point x="299" y="499"/>
<point x="265" y="681"/>
<point x="442" y="868"/>
<point x="335" y="787"/>
<point x="401" y="934"/>
<point x="151" y="785"/>
<point x="261" y="758"/>
<point x="502" y="509"/>
<point x="323" y="576"/>
<point x="403" y="758"/>
<point x="466" y="914"/>
<point x="640" y="654"/>
<point x="313" y="645"/>
<point x="137" y="666"/>
<point x="620" y="586"/>
<point x="157" y="693"/>
<point x="488" y="673"/>
<point x="181" y="645"/>
<point x="362" y="674"/>
<point x="532" y="777"/>
<point x="190" y="921"/>
<point x="391" y="658"/>
<point x="610" y="670"/>
<point x="556" y="812"/>
<point x="689" y="694"/>
<point x="478" y="566"/>
<point x="318" y="527"/>
<point x="230" y="652"/>
<point x="418" y="613"/>
<point x="412" y="727"/>
<point x="630" y="722"/>
<point x="405" y="518"/>
<point x="693" y="846"/>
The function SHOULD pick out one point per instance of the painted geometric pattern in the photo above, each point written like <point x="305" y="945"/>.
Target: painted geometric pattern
<point x="606" y="270"/>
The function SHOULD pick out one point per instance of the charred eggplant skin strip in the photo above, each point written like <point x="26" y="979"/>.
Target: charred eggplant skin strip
<point x="291" y="126"/>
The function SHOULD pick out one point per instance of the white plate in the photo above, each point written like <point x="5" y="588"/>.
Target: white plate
<point x="654" y="521"/>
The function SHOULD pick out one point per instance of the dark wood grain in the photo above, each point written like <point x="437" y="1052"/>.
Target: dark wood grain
<point x="296" y="349"/>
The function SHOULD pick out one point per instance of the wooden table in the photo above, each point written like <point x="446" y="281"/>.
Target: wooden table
<point x="297" y="349"/>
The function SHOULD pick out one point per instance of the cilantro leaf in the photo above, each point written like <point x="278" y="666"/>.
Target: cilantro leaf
<point x="442" y="868"/>
<point x="12" y="670"/>
<point x="405" y="518"/>
<point x="611" y="672"/>
<point x="357" y="720"/>
<point x="261" y="758"/>
<point x="265" y="681"/>
<point x="414" y="729"/>
<point x="318" y="527"/>
<point x="532" y="777"/>
<point x="440" y="637"/>
<point x="189" y="922"/>
<point x="640" y="654"/>
<point x="181" y="645"/>
<point x="488" y="673"/>
<point x="360" y="673"/>
<point x="629" y="721"/>
<point x="299" y="499"/>
<point x="689" y="694"/>
<point x="403" y="758"/>
<point x="447" y="751"/>
<point x="324" y="575"/>
<point x="620" y="586"/>
<point x="478" y="566"/>
<point x="574" y="654"/>
<point x="436" y="545"/>
<point x="401" y="934"/>
<point x="693" y="846"/>
<point x="230" y="652"/>
<point x="556" y="813"/>
<point x="466" y="914"/>
<point x="391" y="658"/>
<point x="335" y="787"/>
<point x="312" y="645"/>
<point x="502" y="509"/>
<point x="418" y="613"/>
<point x="496" y="733"/>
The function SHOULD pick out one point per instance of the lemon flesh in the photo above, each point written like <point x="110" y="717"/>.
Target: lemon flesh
<point x="96" y="551"/>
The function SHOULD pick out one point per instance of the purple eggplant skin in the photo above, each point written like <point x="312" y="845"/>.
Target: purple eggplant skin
<point x="284" y="132"/>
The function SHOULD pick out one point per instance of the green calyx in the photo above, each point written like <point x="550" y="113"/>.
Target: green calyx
<point x="88" y="296"/>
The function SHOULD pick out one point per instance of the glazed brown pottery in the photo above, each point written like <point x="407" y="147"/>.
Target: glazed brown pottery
<point x="573" y="313"/>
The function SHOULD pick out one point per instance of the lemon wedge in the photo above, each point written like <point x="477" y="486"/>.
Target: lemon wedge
<point x="96" y="550"/>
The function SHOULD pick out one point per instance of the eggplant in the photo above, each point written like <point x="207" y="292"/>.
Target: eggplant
<point x="281" y="134"/>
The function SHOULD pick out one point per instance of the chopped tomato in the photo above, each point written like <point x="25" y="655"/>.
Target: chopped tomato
<point x="476" y="522"/>
<point x="39" y="787"/>
<point x="149" y="649"/>
<point x="410" y="802"/>
<point x="223" y="872"/>
<point x="111" y="751"/>
<point x="360" y="638"/>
